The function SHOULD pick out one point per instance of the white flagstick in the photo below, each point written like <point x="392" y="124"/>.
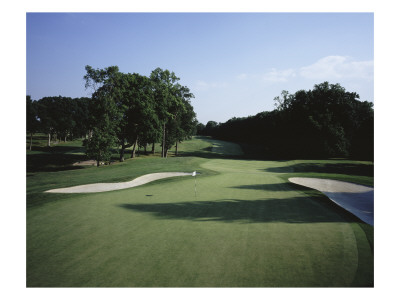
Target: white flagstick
<point x="195" y="184"/>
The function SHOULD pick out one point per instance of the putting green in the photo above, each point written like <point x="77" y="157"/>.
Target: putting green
<point x="247" y="227"/>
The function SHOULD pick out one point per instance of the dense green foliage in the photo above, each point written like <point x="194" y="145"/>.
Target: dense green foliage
<point x="61" y="118"/>
<point x="324" y="122"/>
<point x="125" y="110"/>
<point x="139" y="110"/>
<point x="174" y="111"/>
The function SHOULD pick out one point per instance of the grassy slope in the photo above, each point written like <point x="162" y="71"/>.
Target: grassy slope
<point x="247" y="227"/>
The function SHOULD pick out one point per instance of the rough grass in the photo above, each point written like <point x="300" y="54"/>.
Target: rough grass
<point x="246" y="227"/>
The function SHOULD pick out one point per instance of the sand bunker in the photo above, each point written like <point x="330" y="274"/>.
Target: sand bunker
<point x="355" y="198"/>
<point x="91" y="162"/>
<point x="105" y="187"/>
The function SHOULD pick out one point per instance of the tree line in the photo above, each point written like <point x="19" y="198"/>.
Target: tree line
<point x="125" y="110"/>
<point x="324" y="122"/>
<point x="60" y="118"/>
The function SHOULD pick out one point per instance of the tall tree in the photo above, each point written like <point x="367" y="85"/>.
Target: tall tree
<point x="168" y="101"/>
<point x="133" y="96"/>
<point x="200" y="128"/>
<point x="210" y="128"/>
<point x="185" y="124"/>
<point x="96" y="78"/>
<point x="141" y="111"/>
<point x="104" y="112"/>
<point x="47" y="115"/>
<point x="65" y="121"/>
<point x="80" y="116"/>
<point x="102" y="123"/>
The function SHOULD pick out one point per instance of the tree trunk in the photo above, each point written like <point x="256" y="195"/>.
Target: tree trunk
<point x="30" y="144"/>
<point x="153" y="149"/>
<point x="176" y="149"/>
<point x="49" y="140"/>
<point x="122" y="152"/>
<point x="98" y="163"/>
<point x="134" y="148"/>
<point x="163" y="154"/>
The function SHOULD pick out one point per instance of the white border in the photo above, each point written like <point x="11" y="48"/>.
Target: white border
<point x="13" y="231"/>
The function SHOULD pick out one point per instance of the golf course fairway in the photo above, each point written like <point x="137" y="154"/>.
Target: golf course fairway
<point x="246" y="226"/>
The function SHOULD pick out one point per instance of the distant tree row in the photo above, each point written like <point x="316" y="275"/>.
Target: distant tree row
<point x="125" y="110"/>
<point x="324" y="122"/>
<point x="60" y="118"/>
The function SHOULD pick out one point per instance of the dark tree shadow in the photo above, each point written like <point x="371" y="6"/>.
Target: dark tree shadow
<point x="290" y="210"/>
<point x="52" y="159"/>
<point x="332" y="168"/>
<point x="273" y="187"/>
<point x="204" y="153"/>
<point x="52" y="162"/>
<point x="207" y="153"/>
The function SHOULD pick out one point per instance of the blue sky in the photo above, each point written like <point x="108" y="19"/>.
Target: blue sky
<point x="234" y="63"/>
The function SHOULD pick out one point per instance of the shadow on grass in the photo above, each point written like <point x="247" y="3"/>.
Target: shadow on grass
<point x="273" y="187"/>
<point x="51" y="163"/>
<point x="36" y="199"/>
<point x="332" y="168"/>
<point x="290" y="210"/>
<point x="52" y="159"/>
<point x="207" y="153"/>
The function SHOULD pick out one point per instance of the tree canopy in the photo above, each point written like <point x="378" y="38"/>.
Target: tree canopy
<point x="326" y="121"/>
<point x="129" y="109"/>
<point x="61" y="118"/>
<point x="139" y="110"/>
<point x="125" y="110"/>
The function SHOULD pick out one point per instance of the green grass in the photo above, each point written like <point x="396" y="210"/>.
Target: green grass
<point x="61" y="156"/>
<point x="360" y="172"/>
<point x="247" y="226"/>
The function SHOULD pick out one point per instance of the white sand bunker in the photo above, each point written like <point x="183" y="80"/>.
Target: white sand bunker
<point x="91" y="162"/>
<point x="105" y="187"/>
<point x="355" y="198"/>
